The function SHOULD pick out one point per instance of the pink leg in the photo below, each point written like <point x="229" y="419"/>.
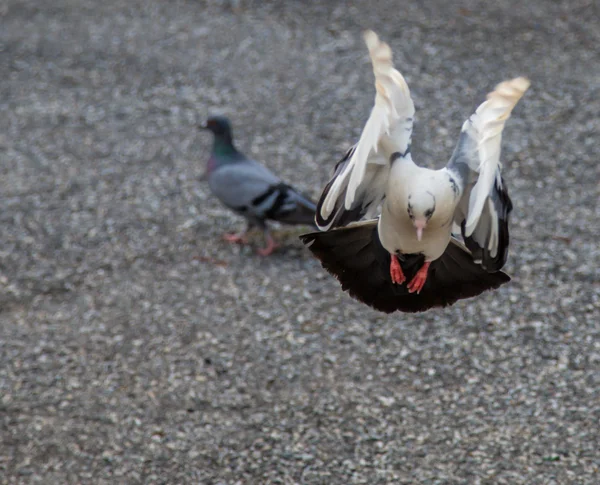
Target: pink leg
<point x="418" y="281"/>
<point x="396" y="271"/>
<point x="236" y="238"/>
<point x="271" y="245"/>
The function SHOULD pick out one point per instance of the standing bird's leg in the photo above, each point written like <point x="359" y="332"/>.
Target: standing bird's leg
<point x="271" y="244"/>
<point x="239" y="238"/>
<point x="418" y="281"/>
<point x="396" y="271"/>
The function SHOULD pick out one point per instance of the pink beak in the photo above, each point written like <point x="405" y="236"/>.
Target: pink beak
<point x="419" y="225"/>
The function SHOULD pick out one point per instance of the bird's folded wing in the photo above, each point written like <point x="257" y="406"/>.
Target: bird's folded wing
<point x="254" y="191"/>
<point x="483" y="210"/>
<point x="239" y="184"/>
<point x="359" y="180"/>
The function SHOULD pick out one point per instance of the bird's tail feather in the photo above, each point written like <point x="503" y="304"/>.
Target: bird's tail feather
<point x="355" y="256"/>
<point x="303" y="210"/>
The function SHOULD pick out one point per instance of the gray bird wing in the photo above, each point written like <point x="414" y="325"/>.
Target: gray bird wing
<point x="358" y="185"/>
<point x="255" y="192"/>
<point x="355" y="256"/>
<point x="483" y="211"/>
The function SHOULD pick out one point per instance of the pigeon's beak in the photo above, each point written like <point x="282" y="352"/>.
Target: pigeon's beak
<point x="203" y="126"/>
<point x="419" y="226"/>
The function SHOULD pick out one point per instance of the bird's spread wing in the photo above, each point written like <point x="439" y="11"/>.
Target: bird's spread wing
<point x="355" y="256"/>
<point x="254" y="191"/>
<point x="358" y="184"/>
<point x="484" y="207"/>
<point x="366" y="206"/>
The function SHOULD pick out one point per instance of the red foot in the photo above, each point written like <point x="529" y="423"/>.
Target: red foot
<point x="236" y="238"/>
<point x="396" y="271"/>
<point x="418" y="281"/>
<point x="271" y="245"/>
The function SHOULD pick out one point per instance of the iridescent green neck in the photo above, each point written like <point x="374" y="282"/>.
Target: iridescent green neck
<point x="223" y="146"/>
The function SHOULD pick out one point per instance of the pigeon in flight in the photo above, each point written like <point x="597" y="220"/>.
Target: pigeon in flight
<point x="441" y="235"/>
<point x="250" y="189"/>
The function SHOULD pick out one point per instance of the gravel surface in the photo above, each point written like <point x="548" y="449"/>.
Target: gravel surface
<point x="137" y="347"/>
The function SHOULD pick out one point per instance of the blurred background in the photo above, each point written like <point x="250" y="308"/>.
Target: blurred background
<point x="137" y="347"/>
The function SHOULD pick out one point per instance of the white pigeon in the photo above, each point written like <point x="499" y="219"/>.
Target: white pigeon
<point x="417" y="207"/>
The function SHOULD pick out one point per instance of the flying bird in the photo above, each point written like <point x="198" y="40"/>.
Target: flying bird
<point x="439" y="235"/>
<point x="250" y="189"/>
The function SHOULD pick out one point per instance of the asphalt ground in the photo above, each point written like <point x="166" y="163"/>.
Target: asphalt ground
<point x="137" y="347"/>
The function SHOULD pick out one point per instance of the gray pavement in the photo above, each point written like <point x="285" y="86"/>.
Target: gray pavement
<point x="137" y="347"/>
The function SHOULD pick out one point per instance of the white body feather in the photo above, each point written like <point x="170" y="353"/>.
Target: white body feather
<point x="396" y="230"/>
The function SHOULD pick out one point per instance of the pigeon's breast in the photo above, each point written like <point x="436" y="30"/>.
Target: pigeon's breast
<point x="398" y="236"/>
<point x="211" y="165"/>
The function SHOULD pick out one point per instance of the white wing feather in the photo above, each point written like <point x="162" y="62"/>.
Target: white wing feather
<point x="387" y="130"/>
<point x="485" y="127"/>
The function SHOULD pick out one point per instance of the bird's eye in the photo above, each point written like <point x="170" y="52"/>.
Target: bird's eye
<point x="428" y="213"/>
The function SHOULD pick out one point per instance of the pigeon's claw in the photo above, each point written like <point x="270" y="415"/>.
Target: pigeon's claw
<point x="396" y="271"/>
<point x="236" y="238"/>
<point x="418" y="281"/>
<point x="271" y="246"/>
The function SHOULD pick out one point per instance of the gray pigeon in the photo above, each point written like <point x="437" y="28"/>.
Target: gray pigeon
<point x="419" y="209"/>
<point x="250" y="189"/>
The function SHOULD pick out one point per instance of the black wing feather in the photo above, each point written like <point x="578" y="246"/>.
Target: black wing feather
<point x="282" y="203"/>
<point x="503" y="207"/>
<point x="337" y="216"/>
